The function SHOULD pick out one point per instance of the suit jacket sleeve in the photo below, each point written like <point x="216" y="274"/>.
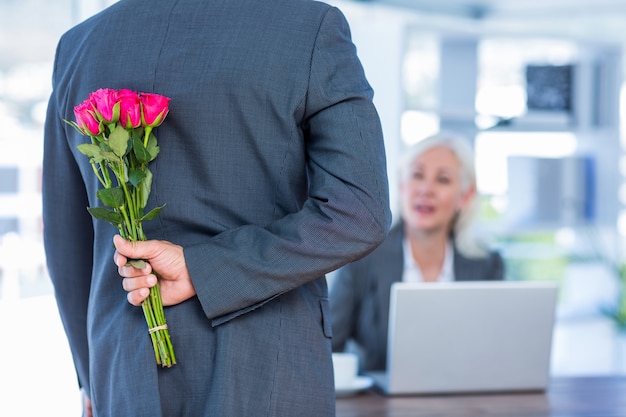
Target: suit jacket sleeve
<point x="347" y="212"/>
<point x="359" y="300"/>
<point x="69" y="260"/>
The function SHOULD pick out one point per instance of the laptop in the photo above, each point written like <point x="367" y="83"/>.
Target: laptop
<point x="469" y="337"/>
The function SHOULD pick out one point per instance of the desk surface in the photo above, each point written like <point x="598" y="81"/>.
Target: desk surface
<point x="566" y="397"/>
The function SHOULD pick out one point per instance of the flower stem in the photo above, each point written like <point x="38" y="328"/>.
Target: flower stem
<point x="146" y="135"/>
<point x="147" y="311"/>
<point x="159" y="334"/>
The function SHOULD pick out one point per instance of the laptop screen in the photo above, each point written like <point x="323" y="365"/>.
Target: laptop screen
<point x="470" y="336"/>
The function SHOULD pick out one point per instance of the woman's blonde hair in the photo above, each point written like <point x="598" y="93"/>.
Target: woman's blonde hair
<point x="461" y="230"/>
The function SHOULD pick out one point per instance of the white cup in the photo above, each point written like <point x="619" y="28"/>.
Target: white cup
<point x="346" y="367"/>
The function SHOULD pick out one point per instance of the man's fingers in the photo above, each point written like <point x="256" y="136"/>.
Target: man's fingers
<point x="138" y="296"/>
<point x="132" y="284"/>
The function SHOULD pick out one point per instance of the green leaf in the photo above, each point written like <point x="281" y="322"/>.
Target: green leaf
<point x="137" y="263"/>
<point x="89" y="149"/>
<point x="135" y="176"/>
<point x="141" y="153"/>
<point x="109" y="156"/>
<point x="104" y="145"/>
<point x="136" y="133"/>
<point x="152" y="213"/>
<point x="111" y="197"/>
<point x="92" y="151"/>
<point x="145" y="185"/>
<point x="118" y="141"/>
<point x="101" y="213"/>
<point x="153" y="148"/>
<point x="75" y="126"/>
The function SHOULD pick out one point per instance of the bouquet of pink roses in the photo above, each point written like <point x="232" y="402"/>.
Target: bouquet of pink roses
<point x="120" y="124"/>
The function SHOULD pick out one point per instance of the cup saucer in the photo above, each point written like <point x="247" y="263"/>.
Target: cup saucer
<point x="358" y="384"/>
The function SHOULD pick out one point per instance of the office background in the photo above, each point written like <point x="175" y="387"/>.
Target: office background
<point x="537" y="85"/>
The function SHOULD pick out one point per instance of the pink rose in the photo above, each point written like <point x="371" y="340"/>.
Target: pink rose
<point x="86" y="119"/>
<point x="154" y="108"/>
<point x="130" y="109"/>
<point x="106" y="103"/>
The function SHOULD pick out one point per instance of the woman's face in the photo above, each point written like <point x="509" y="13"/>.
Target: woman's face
<point x="431" y="191"/>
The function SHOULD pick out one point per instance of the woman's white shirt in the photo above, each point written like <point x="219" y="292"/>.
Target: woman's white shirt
<point x="412" y="273"/>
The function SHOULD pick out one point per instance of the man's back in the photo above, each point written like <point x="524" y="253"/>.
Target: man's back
<point x="265" y="168"/>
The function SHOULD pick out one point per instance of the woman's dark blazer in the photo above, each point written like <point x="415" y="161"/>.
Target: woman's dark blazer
<point x="359" y="295"/>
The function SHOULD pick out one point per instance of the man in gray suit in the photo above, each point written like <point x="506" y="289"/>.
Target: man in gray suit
<point x="272" y="166"/>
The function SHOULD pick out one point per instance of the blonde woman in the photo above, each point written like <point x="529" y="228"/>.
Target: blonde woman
<point x="432" y="241"/>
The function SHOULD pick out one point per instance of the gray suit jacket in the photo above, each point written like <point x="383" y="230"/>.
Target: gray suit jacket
<point x="359" y="296"/>
<point x="272" y="167"/>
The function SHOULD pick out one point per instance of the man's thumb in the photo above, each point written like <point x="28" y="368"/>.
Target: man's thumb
<point x="126" y="248"/>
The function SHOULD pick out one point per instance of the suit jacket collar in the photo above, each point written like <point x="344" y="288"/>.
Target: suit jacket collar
<point x="392" y="270"/>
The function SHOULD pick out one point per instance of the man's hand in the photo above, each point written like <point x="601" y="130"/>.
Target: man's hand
<point x="87" y="407"/>
<point x="165" y="259"/>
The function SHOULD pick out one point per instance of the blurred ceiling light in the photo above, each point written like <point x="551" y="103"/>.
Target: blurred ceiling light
<point x="621" y="223"/>
<point x="622" y="165"/>
<point x="492" y="150"/>
<point x="503" y="101"/>
<point x="565" y="236"/>
<point x="622" y="194"/>
<point x="417" y="125"/>
<point x="484" y="121"/>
